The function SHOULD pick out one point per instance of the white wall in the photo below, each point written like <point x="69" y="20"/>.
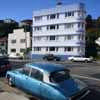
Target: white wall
<point x="61" y="32"/>
<point x="18" y="34"/>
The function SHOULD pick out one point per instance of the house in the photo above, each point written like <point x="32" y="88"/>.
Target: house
<point x="18" y="41"/>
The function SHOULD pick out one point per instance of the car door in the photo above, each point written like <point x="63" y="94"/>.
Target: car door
<point x="46" y="90"/>
<point x="21" y="77"/>
<point x="34" y="82"/>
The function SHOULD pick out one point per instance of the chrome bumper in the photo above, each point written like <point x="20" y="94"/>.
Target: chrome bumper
<point x="80" y="96"/>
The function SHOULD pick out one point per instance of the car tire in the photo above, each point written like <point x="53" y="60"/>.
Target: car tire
<point x="45" y="59"/>
<point x="72" y="60"/>
<point x="57" y="60"/>
<point x="10" y="81"/>
<point x="86" y="61"/>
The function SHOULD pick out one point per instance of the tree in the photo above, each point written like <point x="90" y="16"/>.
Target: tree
<point x="91" y="47"/>
<point x="92" y="33"/>
<point x="6" y="28"/>
<point x="89" y="22"/>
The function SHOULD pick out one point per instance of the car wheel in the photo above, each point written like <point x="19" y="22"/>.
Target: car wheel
<point x="72" y="60"/>
<point x="86" y="61"/>
<point x="10" y="81"/>
<point x="57" y="59"/>
<point x="44" y="59"/>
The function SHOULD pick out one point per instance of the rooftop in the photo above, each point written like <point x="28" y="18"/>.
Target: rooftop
<point x="60" y="9"/>
<point x="48" y="67"/>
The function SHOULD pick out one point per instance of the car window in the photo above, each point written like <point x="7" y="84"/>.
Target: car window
<point x="36" y="74"/>
<point x="25" y="70"/>
<point x="59" y="76"/>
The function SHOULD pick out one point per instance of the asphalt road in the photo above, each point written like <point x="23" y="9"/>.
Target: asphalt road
<point x="94" y="87"/>
<point x="84" y="69"/>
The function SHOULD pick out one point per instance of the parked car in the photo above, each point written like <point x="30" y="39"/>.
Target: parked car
<point x="47" y="81"/>
<point x="80" y="59"/>
<point x="4" y="65"/>
<point x="14" y="56"/>
<point x="49" y="57"/>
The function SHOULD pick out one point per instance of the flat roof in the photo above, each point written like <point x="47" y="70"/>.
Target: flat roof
<point x="60" y="9"/>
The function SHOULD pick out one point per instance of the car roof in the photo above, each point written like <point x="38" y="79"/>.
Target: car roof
<point x="48" y="67"/>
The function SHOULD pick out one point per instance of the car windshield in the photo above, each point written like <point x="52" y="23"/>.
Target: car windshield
<point x="59" y="76"/>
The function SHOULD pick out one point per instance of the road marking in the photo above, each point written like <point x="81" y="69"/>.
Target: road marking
<point x="85" y="77"/>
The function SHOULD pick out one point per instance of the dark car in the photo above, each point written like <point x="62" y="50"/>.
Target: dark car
<point x="4" y="65"/>
<point x="49" y="57"/>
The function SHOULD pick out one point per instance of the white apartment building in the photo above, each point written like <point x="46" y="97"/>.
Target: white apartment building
<point x="59" y="31"/>
<point x="18" y="41"/>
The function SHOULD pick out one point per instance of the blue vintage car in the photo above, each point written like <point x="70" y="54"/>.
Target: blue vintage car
<point x="47" y="81"/>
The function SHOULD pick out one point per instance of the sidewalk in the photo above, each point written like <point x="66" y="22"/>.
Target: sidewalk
<point x="11" y="96"/>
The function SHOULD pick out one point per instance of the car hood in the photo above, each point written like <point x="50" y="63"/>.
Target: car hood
<point x="70" y="87"/>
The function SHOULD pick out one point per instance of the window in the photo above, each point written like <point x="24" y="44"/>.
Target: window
<point x="13" y="50"/>
<point x="52" y="49"/>
<point x="53" y="16"/>
<point x="25" y="70"/>
<point x="22" y="40"/>
<point x="57" y="37"/>
<point x="37" y="18"/>
<point x="59" y="76"/>
<point x="83" y="37"/>
<point x="37" y="49"/>
<point x="37" y="38"/>
<point x="22" y="50"/>
<point x="57" y="49"/>
<point x="68" y="37"/>
<point x="69" y="25"/>
<point x="52" y="37"/>
<point x="68" y="49"/>
<point x="13" y="41"/>
<point x="65" y="49"/>
<point x="81" y="25"/>
<point x="57" y="16"/>
<point x="46" y="48"/>
<point x="38" y="28"/>
<point x="80" y="13"/>
<point x="68" y="14"/>
<point x="57" y="26"/>
<point x="73" y="13"/>
<point x="47" y="17"/>
<point x="36" y="74"/>
<point x="53" y="27"/>
<point x="47" y="27"/>
<point x="79" y="49"/>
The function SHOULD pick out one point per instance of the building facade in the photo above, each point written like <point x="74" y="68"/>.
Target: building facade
<point x="59" y="31"/>
<point x="3" y="45"/>
<point x="18" y="41"/>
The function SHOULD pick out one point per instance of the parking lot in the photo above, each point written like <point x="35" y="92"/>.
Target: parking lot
<point x="87" y="71"/>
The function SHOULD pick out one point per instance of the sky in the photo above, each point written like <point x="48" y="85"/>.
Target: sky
<point x="23" y="9"/>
